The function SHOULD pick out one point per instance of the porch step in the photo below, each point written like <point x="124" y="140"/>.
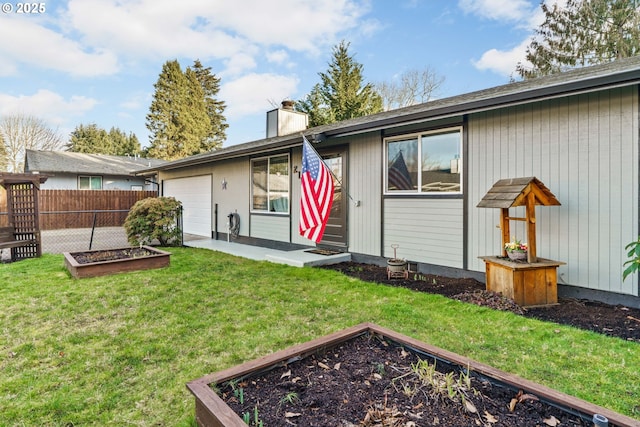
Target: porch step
<point x="302" y="258"/>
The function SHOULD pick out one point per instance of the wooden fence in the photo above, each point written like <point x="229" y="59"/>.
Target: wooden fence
<point x="60" y="209"/>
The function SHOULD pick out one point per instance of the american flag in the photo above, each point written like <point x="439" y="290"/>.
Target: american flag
<point x="399" y="176"/>
<point x="317" y="194"/>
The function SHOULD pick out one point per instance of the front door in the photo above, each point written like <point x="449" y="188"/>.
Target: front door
<point x="335" y="234"/>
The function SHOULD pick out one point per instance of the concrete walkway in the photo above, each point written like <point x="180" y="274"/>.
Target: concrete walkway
<point x="296" y="258"/>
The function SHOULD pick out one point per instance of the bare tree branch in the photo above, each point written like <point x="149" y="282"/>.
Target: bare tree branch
<point x="412" y="87"/>
<point x="22" y="132"/>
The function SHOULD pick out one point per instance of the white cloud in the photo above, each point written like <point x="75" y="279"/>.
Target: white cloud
<point x="211" y="29"/>
<point x="238" y="63"/>
<point x="27" y="42"/>
<point x="47" y="105"/>
<point x="251" y="94"/>
<point x="502" y="61"/>
<point x="499" y="10"/>
<point x="278" y="56"/>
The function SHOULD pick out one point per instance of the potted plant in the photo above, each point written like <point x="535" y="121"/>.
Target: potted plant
<point x="397" y="267"/>
<point x="516" y="250"/>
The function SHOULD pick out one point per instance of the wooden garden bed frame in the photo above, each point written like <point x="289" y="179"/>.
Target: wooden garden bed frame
<point x="212" y="411"/>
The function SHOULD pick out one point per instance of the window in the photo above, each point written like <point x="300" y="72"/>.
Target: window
<point x="90" y="183"/>
<point x="270" y="184"/>
<point x="425" y="163"/>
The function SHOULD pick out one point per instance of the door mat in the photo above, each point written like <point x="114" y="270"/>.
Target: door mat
<point x="325" y="252"/>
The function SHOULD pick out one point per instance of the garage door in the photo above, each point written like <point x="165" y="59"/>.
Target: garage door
<point x="195" y="195"/>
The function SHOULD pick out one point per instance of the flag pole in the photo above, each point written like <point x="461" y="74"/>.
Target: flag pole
<point x="329" y="169"/>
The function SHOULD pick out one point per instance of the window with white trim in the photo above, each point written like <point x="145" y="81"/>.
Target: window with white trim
<point x="89" y="183"/>
<point x="424" y="163"/>
<point x="270" y="184"/>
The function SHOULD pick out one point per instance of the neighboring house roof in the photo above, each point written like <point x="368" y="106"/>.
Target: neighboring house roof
<point x="81" y="163"/>
<point x="623" y="72"/>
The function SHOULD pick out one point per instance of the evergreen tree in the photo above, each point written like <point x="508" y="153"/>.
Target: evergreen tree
<point x="211" y="86"/>
<point x="341" y="95"/>
<point x="584" y="32"/>
<point x="95" y="140"/>
<point x="177" y="118"/>
<point x="123" y="144"/>
<point x="89" y="139"/>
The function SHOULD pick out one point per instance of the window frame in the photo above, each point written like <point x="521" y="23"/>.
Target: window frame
<point x="269" y="191"/>
<point x="91" y="178"/>
<point x="418" y="136"/>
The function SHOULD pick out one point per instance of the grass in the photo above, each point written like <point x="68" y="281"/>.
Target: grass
<point x="119" y="350"/>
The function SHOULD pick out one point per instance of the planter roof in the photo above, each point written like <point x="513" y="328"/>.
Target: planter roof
<point x="512" y="192"/>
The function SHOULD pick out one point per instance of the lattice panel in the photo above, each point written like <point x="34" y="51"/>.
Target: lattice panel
<point x="22" y="206"/>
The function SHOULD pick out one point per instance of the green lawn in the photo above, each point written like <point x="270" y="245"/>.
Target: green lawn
<point x="118" y="350"/>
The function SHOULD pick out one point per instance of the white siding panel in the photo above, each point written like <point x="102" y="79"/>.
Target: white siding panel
<point x="270" y="227"/>
<point x="585" y="150"/>
<point x="426" y="230"/>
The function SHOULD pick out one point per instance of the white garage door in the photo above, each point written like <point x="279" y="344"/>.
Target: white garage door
<point x="195" y="195"/>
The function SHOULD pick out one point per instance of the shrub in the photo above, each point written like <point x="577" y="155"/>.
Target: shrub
<point x="154" y="218"/>
<point x="633" y="264"/>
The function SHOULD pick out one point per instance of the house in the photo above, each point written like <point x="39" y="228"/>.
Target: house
<point x="80" y="171"/>
<point x="413" y="177"/>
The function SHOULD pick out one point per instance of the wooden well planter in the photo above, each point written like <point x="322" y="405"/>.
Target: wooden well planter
<point x="528" y="284"/>
<point x="212" y="411"/>
<point x="157" y="259"/>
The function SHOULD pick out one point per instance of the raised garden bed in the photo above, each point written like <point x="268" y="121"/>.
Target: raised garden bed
<point x="277" y="389"/>
<point x="110" y="261"/>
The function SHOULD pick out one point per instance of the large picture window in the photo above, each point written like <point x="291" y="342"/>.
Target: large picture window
<point x="270" y="184"/>
<point x="425" y="163"/>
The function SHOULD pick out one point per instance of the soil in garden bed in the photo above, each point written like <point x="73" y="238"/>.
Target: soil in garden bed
<point x="612" y="320"/>
<point x="110" y="255"/>
<point x="367" y="382"/>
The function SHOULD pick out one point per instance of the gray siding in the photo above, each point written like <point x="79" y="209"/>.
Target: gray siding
<point x="270" y="227"/>
<point x="427" y="230"/>
<point x="585" y="150"/>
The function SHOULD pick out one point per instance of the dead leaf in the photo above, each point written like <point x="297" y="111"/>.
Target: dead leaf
<point x="286" y="374"/>
<point x="337" y="366"/>
<point x="512" y="404"/>
<point x="490" y="418"/>
<point x="403" y="353"/>
<point x="292" y="414"/>
<point x="526" y="396"/>
<point x="470" y="407"/>
<point x="377" y="376"/>
<point x="551" y="421"/>
<point x="296" y="379"/>
<point x="323" y="366"/>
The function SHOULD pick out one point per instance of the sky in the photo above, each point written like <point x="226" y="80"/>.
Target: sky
<point x="95" y="61"/>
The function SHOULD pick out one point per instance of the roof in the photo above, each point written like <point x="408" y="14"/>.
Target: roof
<point x="511" y="192"/>
<point x="68" y="162"/>
<point x="623" y="72"/>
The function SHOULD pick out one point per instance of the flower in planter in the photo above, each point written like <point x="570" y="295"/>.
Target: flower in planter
<point x="516" y="246"/>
